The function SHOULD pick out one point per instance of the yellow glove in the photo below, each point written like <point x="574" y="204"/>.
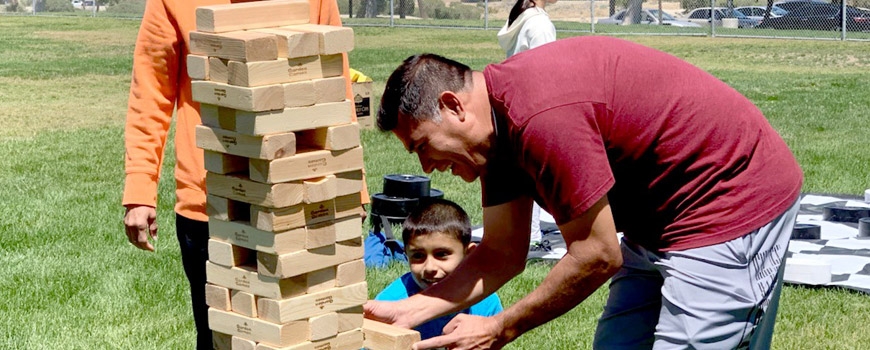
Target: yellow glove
<point x="357" y="76"/>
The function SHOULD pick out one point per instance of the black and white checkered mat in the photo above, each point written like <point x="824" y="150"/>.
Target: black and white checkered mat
<point x="839" y="258"/>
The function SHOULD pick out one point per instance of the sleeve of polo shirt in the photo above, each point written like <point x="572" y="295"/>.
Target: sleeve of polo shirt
<point x="563" y="149"/>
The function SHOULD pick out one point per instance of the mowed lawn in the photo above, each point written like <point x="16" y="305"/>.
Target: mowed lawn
<point x="70" y="280"/>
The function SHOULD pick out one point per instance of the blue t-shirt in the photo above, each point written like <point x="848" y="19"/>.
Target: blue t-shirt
<point x="405" y="286"/>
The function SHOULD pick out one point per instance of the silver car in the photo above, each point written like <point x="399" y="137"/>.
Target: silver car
<point x="757" y="12"/>
<point x="649" y="16"/>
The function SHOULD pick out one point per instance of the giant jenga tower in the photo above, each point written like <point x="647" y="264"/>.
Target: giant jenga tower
<point x="284" y="165"/>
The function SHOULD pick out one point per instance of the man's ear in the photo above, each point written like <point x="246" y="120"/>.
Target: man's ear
<point x="450" y="101"/>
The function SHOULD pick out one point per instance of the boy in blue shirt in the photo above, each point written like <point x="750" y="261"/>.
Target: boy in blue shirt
<point x="437" y="236"/>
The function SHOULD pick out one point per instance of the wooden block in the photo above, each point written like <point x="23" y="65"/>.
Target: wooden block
<point x="243" y="344"/>
<point x="349" y="340"/>
<point x="254" y="99"/>
<point x="294" y="44"/>
<point x="237" y="46"/>
<point x="244" y="235"/>
<point x="350" y="273"/>
<point x="221" y="341"/>
<point x="217" y="117"/>
<point x="242" y="189"/>
<point x="304" y="261"/>
<point x="330" y="89"/>
<point x="245" y="279"/>
<point x="297" y="216"/>
<point x="283" y="70"/>
<point x="299" y="94"/>
<point x="197" y="67"/>
<point x="319" y="189"/>
<point x="348" y="205"/>
<point x="334" y="138"/>
<point x="250" y="15"/>
<point x="331" y="65"/>
<point x="333" y="39"/>
<point x="267" y="147"/>
<point x="293" y="119"/>
<point x="226" y="209"/>
<point x="310" y="305"/>
<point x="285" y="334"/>
<point x="350" y="318"/>
<point x="807" y="271"/>
<point x="321" y="280"/>
<point x="226" y="254"/>
<point x="323" y="326"/>
<point x="219" y="72"/>
<point x="320" y="235"/>
<point x="349" y="227"/>
<point x="244" y="303"/>
<point x="222" y="163"/>
<point x="383" y="336"/>
<point x="217" y="297"/>
<point x="348" y="182"/>
<point x="305" y="165"/>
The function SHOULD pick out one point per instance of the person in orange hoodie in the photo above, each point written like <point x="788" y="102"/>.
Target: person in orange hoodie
<point x="160" y="85"/>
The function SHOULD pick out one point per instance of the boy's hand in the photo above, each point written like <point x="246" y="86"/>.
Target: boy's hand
<point x="386" y="312"/>
<point x="467" y="332"/>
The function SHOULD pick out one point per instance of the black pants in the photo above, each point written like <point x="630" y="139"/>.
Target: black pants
<point x="193" y="241"/>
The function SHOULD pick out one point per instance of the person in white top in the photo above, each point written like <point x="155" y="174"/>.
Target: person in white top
<point x="528" y="26"/>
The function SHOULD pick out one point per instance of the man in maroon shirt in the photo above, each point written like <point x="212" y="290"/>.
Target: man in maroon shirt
<point x="609" y="137"/>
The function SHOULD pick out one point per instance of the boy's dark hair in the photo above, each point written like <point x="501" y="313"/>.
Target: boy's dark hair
<point x="437" y="215"/>
<point x="414" y="87"/>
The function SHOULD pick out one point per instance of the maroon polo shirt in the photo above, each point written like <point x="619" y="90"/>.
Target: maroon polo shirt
<point x="685" y="160"/>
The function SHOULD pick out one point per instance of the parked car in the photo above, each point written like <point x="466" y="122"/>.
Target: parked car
<point x="701" y="16"/>
<point x="791" y="5"/>
<point x="758" y="12"/>
<point x="820" y="17"/>
<point x="649" y="16"/>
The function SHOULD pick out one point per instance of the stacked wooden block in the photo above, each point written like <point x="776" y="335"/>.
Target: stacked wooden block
<point x="284" y="177"/>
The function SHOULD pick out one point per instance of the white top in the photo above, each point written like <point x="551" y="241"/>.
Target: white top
<point x="531" y="29"/>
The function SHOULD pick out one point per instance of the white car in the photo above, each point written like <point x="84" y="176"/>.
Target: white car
<point x="757" y="12"/>
<point x="702" y="16"/>
<point x="76" y="3"/>
<point x="649" y="16"/>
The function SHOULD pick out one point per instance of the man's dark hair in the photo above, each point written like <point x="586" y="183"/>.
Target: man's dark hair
<point x="437" y="215"/>
<point x="413" y="88"/>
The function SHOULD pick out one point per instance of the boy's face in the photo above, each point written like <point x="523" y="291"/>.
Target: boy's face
<point x="434" y="256"/>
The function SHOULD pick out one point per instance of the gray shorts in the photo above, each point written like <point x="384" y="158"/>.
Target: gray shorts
<point x="723" y="296"/>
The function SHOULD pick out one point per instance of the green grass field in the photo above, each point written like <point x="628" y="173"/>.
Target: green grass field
<point x="70" y="280"/>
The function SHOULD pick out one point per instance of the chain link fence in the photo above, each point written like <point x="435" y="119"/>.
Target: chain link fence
<point x="799" y="19"/>
<point x="803" y="19"/>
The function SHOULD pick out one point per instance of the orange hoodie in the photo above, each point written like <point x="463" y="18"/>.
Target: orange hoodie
<point x="161" y="84"/>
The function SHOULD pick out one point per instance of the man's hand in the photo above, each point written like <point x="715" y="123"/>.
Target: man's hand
<point x="467" y="332"/>
<point x="386" y="312"/>
<point x="140" y="222"/>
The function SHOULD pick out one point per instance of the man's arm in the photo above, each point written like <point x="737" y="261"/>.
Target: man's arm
<point x="499" y="257"/>
<point x="593" y="257"/>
